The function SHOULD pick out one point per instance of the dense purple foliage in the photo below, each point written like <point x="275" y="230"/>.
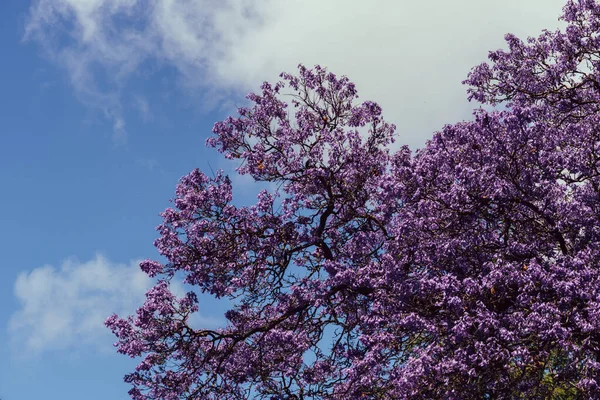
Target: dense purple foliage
<point x="467" y="270"/>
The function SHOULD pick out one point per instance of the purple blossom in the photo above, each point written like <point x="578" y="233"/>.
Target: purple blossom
<point x="467" y="270"/>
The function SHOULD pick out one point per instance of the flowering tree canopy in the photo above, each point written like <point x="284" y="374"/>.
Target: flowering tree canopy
<point x="468" y="270"/>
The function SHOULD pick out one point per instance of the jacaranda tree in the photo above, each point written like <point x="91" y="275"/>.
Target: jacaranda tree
<point x="467" y="270"/>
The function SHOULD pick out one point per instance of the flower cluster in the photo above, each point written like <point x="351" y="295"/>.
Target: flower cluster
<point x="468" y="270"/>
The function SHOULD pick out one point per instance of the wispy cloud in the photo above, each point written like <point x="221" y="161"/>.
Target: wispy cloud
<point x="150" y="165"/>
<point x="408" y="55"/>
<point x="143" y="107"/>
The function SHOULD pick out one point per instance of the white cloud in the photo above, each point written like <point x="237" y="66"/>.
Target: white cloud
<point x="410" y="56"/>
<point x="67" y="306"/>
<point x="63" y="308"/>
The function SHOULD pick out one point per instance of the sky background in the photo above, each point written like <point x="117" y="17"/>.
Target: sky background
<point x="105" y="104"/>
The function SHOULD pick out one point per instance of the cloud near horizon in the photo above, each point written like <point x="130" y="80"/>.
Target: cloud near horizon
<point x="408" y="56"/>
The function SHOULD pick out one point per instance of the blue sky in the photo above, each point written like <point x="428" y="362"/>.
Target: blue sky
<point x="105" y="104"/>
